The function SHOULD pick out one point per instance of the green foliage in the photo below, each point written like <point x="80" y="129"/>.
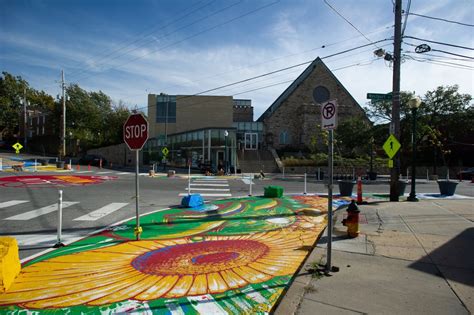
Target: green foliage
<point x="353" y="137"/>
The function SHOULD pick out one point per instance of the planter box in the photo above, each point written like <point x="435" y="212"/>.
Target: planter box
<point x="402" y="185"/>
<point x="446" y="187"/>
<point x="273" y="192"/>
<point x="345" y="187"/>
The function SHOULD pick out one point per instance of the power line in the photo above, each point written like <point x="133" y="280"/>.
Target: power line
<point x="279" y="70"/>
<point x="164" y="35"/>
<point x="441" y="19"/>
<point x="150" y="30"/>
<point x="196" y="34"/>
<point x="441" y="57"/>
<point x="443" y="51"/>
<point x="440" y="43"/>
<point x="406" y="17"/>
<point x="337" y="12"/>
<point x="441" y="63"/>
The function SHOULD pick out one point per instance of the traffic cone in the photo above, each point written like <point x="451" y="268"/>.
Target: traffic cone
<point x="78" y="167"/>
<point x="359" y="190"/>
<point x="89" y="167"/>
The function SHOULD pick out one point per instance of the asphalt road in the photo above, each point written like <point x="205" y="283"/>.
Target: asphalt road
<point x="29" y="211"/>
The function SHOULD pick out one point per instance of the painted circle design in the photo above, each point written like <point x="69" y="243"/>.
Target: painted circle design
<point x="201" y="257"/>
<point x="48" y="181"/>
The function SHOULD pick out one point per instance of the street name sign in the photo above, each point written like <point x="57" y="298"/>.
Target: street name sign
<point x="391" y="146"/>
<point x="135" y="131"/>
<point x="379" y="96"/>
<point x="329" y="115"/>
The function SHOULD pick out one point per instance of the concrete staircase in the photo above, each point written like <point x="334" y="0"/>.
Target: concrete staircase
<point x="252" y="161"/>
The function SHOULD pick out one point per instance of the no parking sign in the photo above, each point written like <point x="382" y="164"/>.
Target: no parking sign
<point x="329" y="115"/>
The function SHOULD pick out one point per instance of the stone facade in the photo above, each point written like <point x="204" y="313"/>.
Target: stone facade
<point x="296" y="114"/>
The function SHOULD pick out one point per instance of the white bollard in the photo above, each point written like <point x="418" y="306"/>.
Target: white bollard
<point x="189" y="179"/>
<point x="70" y="164"/>
<point x="304" y="184"/>
<point x="60" y="220"/>
<point x="35" y="165"/>
<point x="283" y="172"/>
<point x="250" y="185"/>
<point x="1" y="164"/>
<point x="427" y="175"/>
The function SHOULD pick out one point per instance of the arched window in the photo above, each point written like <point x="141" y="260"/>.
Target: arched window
<point x="284" y="137"/>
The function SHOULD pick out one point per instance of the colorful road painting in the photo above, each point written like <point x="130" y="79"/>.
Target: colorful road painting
<point x="48" y="181"/>
<point x="233" y="256"/>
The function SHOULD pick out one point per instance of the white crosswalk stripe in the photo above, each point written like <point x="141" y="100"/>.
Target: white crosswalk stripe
<point x="105" y="172"/>
<point x="41" y="211"/>
<point x="102" y="212"/>
<point x="11" y="203"/>
<point x="210" y="188"/>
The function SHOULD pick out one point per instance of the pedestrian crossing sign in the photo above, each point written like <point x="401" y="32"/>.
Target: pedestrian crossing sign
<point x="17" y="146"/>
<point x="165" y="151"/>
<point x="391" y="146"/>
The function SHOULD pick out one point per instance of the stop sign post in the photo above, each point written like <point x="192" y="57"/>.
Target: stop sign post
<point x="135" y="135"/>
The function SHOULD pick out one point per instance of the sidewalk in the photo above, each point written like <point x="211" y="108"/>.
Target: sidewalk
<point x="409" y="258"/>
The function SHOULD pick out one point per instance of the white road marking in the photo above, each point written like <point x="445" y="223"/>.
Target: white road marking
<point x="211" y="185"/>
<point x="10" y="203"/>
<point x="106" y="172"/>
<point x="83" y="172"/>
<point x="41" y="211"/>
<point x="209" y="195"/>
<point x="101" y="212"/>
<point x="124" y="173"/>
<point x="42" y="239"/>
<point x="209" y="189"/>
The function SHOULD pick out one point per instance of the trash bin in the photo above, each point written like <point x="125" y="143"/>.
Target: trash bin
<point x="372" y="175"/>
<point x="345" y="187"/>
<point x="447" y="187"/>
<point x="60" y="164"/>
<point x="401" y="187"/>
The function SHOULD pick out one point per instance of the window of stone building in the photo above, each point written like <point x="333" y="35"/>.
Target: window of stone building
<point x="321" y="94"/>
<point x="166" y="109"/>
<point x="284" y="137"/>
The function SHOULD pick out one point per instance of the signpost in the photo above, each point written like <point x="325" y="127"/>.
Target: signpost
<point x="135" y="135"/>
<point x="379" y="96"/>
<point x="329" y="122"/>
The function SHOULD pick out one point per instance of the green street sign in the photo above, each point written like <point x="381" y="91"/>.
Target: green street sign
<point x="391" y="146"/>
<point x="165" y="151"/>
<point x="379" y="96"/>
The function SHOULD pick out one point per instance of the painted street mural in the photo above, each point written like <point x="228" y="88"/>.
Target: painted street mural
<point x="232" y="256"/>
<point x="52" y="181"/>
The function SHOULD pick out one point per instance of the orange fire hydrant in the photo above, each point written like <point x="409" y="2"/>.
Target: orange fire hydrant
<point x="352" y="220"/>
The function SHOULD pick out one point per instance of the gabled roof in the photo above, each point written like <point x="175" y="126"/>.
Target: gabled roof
<point x="293" y="86"/>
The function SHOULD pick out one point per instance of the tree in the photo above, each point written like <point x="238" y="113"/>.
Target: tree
<point x="353" y="137"/>
<point x="12" y="91"/>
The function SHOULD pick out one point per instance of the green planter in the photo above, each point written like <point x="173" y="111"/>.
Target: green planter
<point x="273" y="192"/>
<point x="447" y="187"/>
<point x="402" y="185"/>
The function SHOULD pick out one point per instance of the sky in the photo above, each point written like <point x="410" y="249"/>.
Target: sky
<point x="131" y="48"/>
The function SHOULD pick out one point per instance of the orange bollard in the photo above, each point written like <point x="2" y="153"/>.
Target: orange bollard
<point x="100" y="163"/>
<point x="89" y="167"/>
<point x="359" y="190"/>
<point x="78" y="167"/>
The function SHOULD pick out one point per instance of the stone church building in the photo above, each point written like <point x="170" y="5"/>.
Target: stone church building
<point x="295" y="116"/>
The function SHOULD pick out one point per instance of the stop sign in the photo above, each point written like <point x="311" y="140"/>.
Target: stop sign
<point x="135" y="131"/>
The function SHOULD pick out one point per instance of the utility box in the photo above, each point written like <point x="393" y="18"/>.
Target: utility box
<point x="273" y="192"/>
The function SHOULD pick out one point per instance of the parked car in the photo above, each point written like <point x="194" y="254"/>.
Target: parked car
<point x="93" y="160"/>
<point x="466" y="174"/>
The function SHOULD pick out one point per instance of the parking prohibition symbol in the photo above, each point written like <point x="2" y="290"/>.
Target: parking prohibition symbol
<point x="329" y="115"/>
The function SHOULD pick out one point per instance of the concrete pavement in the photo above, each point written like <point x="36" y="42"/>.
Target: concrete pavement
<point x="410" y="258"/>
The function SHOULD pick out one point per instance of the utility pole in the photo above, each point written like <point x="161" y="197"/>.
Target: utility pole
<point x="63" y="133"/>
<point x="395" y="125"/>
<point x="25" y="119"/>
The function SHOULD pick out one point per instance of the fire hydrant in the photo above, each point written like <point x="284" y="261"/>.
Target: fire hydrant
<point x="352" y="220"/>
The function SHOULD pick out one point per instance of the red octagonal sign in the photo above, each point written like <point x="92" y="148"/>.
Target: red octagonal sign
<point x="135" y="131"/>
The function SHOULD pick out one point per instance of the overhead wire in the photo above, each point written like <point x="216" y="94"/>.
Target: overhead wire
<point x="439" y="43"/>
<point x="441" y="19"/>
<point x="349" y="22"/>
<point x="406" y="17"/>
<point x="194" y="35"/>
<point x="141" y="36"/>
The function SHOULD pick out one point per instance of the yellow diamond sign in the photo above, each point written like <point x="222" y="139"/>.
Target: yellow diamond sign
<point x="391" y="146"/>
<point x="17" y="146"/>
<point x="165" y="151"/>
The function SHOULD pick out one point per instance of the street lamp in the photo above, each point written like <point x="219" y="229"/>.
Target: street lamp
<point x="226" y="134"/>
<point x="414" y="103"/>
